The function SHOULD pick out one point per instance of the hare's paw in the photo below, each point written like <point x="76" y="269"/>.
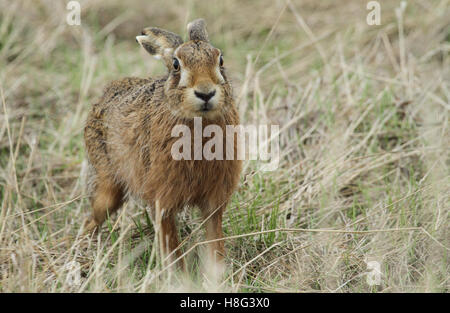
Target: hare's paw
<point x="90" y="226"/>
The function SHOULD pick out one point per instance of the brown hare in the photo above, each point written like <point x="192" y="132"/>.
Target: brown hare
<point x="128" y="137"/>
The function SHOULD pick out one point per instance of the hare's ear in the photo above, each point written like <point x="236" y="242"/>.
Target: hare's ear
<point x="197" y="30"/>
<point x="160" y="43"/>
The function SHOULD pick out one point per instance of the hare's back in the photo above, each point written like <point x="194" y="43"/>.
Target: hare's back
<point x="119" y="89"/>
<point x="115" y="101"/>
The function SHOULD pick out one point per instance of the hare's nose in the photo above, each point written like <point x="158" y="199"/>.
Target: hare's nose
<point x="205" y="96"/>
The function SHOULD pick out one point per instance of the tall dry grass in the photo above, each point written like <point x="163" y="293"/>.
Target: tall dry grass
<point x="364" y="172"/>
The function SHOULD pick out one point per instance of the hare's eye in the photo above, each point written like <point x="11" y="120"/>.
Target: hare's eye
<point x="176" y="64"/>
<point x="221" y="60"/>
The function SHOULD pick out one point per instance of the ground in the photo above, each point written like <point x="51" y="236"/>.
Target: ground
<point x="363" y="179"/>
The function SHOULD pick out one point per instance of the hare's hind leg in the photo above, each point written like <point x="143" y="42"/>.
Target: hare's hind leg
<point x="106" y="198"/>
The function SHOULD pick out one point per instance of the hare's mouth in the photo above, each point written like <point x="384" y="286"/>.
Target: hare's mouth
<point x="206" y="107"/>
<point x="208" y="112"/>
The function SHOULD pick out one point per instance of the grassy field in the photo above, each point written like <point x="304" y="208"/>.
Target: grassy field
<point x="364" y="169"/>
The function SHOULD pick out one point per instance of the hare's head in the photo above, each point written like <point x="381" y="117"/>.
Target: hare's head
<point x="196" y="85"/>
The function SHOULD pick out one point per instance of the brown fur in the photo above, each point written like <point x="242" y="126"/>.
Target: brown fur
<point x="128" y="140"/>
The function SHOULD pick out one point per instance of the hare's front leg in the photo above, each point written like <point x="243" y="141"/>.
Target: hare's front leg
<point x="213" y="224"/>
<point x="214" y="265"/>
<point x="168" y="235"/>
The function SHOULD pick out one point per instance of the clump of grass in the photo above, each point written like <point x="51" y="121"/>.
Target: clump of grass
<point x="364" y="169"/>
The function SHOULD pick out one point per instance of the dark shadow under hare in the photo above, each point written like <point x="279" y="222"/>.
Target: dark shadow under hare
<point x="128" y="138"/>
